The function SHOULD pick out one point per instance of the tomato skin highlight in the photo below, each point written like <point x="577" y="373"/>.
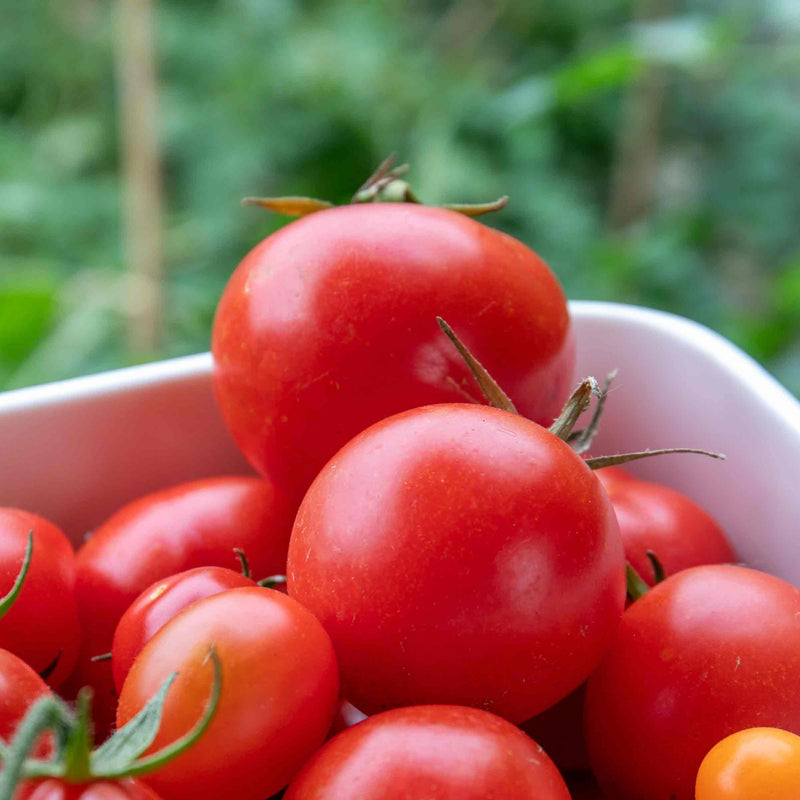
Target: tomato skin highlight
<point x="754" y="764"/>
<point x="279" y="693"/>
<point x="195" y="524"/>
<point x="158" y="604"/>
<point x="42" y="626"/>
<point x="709" y="652"/>
<point x="463" y="555"/>
<point x="442" y="752"/>
<point x="329" y="325"/>
<point x="655" y="517"/>
<point x="53" y="789"/>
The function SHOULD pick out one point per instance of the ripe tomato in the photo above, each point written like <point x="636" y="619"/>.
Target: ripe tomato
<point x="682" y="535"/>
<point x="755" y="764"/>
<point x="158" y="604"/>
<point x="42" y="625"/>
<point x="655" y="517"/>
<point x="20" y="688"/>
<point x="459" y="554"/>
<point x="53" y="789"/>
<point x="708" y="652"/>
<point x="442" y="752"/>
<point x="279" y="693"/>
<point x="194" y="524"/>
<point x="329" y="325"/>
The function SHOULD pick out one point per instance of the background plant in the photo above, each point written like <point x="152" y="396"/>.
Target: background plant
<point x="651" y="152"/>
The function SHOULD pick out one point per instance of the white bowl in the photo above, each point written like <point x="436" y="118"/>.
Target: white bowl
<point x="75" y="451"/>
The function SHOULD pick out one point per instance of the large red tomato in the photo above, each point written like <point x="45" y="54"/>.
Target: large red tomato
<point x="655" y="517"/>
<point x="329" y="325"/>
<point x="158" y="604"/>
<point x="278" y="697"/>
<point x="42" y="625"/>
<point x="441" y="752"/>
<point x="460" y="554"/>
<point x="708" y="652"/>
<point x="194" y="524"/>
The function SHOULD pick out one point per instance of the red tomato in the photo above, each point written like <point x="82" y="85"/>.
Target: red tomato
<point x="194" y="524"/>
<point x="42" y="625"/>
<point x="755" y="764"/>
<point x="158" y="604"/>
<point x="682" y="535"/>
<point x="442" y="752"/>
<point x="54" y="789"/>
<point x="655" y="517"/>
<point x="279" y="694"/>
<point x="329" y="325"/>
<point x="20" y="688"/>
<point x="710" y="651"/>
<point x="460" y="554"/>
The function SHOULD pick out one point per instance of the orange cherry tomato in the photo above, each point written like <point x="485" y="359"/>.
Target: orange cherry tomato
<point x="754" y="764"/>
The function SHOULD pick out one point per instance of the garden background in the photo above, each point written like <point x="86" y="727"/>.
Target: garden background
<point x="651" y="151"/>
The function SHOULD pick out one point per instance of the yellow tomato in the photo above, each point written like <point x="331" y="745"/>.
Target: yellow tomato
<point x="756" y="764"/>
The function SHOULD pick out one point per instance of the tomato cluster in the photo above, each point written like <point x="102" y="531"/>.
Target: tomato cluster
<point x="472" y="609"/>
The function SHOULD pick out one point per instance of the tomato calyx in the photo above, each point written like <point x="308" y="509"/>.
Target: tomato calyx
<point x="51" y="667"/>
<point x="635" y="584"/>
<point x="10" y="597"/>
<point x="490" y="389"/>
<point x="659" y="573"/>
<point x="243" y="562"/>
<point x="270" y="582"/>
<point x="563" y="426"/>
<point x="385" y="185"/>
<point x="76" y="760"/>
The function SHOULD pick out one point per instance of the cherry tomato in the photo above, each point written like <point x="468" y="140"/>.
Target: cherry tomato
<point x="42" y="625"/>
<point x="755" y="764"/>
<point x="279" y="693"/>
<point x="655" y="517"/>
<point x="708" y="652"/>
<point x="192" y="525"/>
<point x="54" y="789"/>
<point x="329" y="325"/>
<point x="20" y="688"/>
<point x="682" y="535"/>
<point x="460" y="554"/>
<point x="158" y="604"/>
<point x="442" y="752"/>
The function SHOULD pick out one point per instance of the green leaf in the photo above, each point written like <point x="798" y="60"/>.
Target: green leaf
<point x="130" y="741"/>
<point x="171" y="751"/>
<point x="598" y="73"/>
<point x="9" y="599"/>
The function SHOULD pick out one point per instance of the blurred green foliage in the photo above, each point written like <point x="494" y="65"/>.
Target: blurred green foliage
<point x="651" y="151"/>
